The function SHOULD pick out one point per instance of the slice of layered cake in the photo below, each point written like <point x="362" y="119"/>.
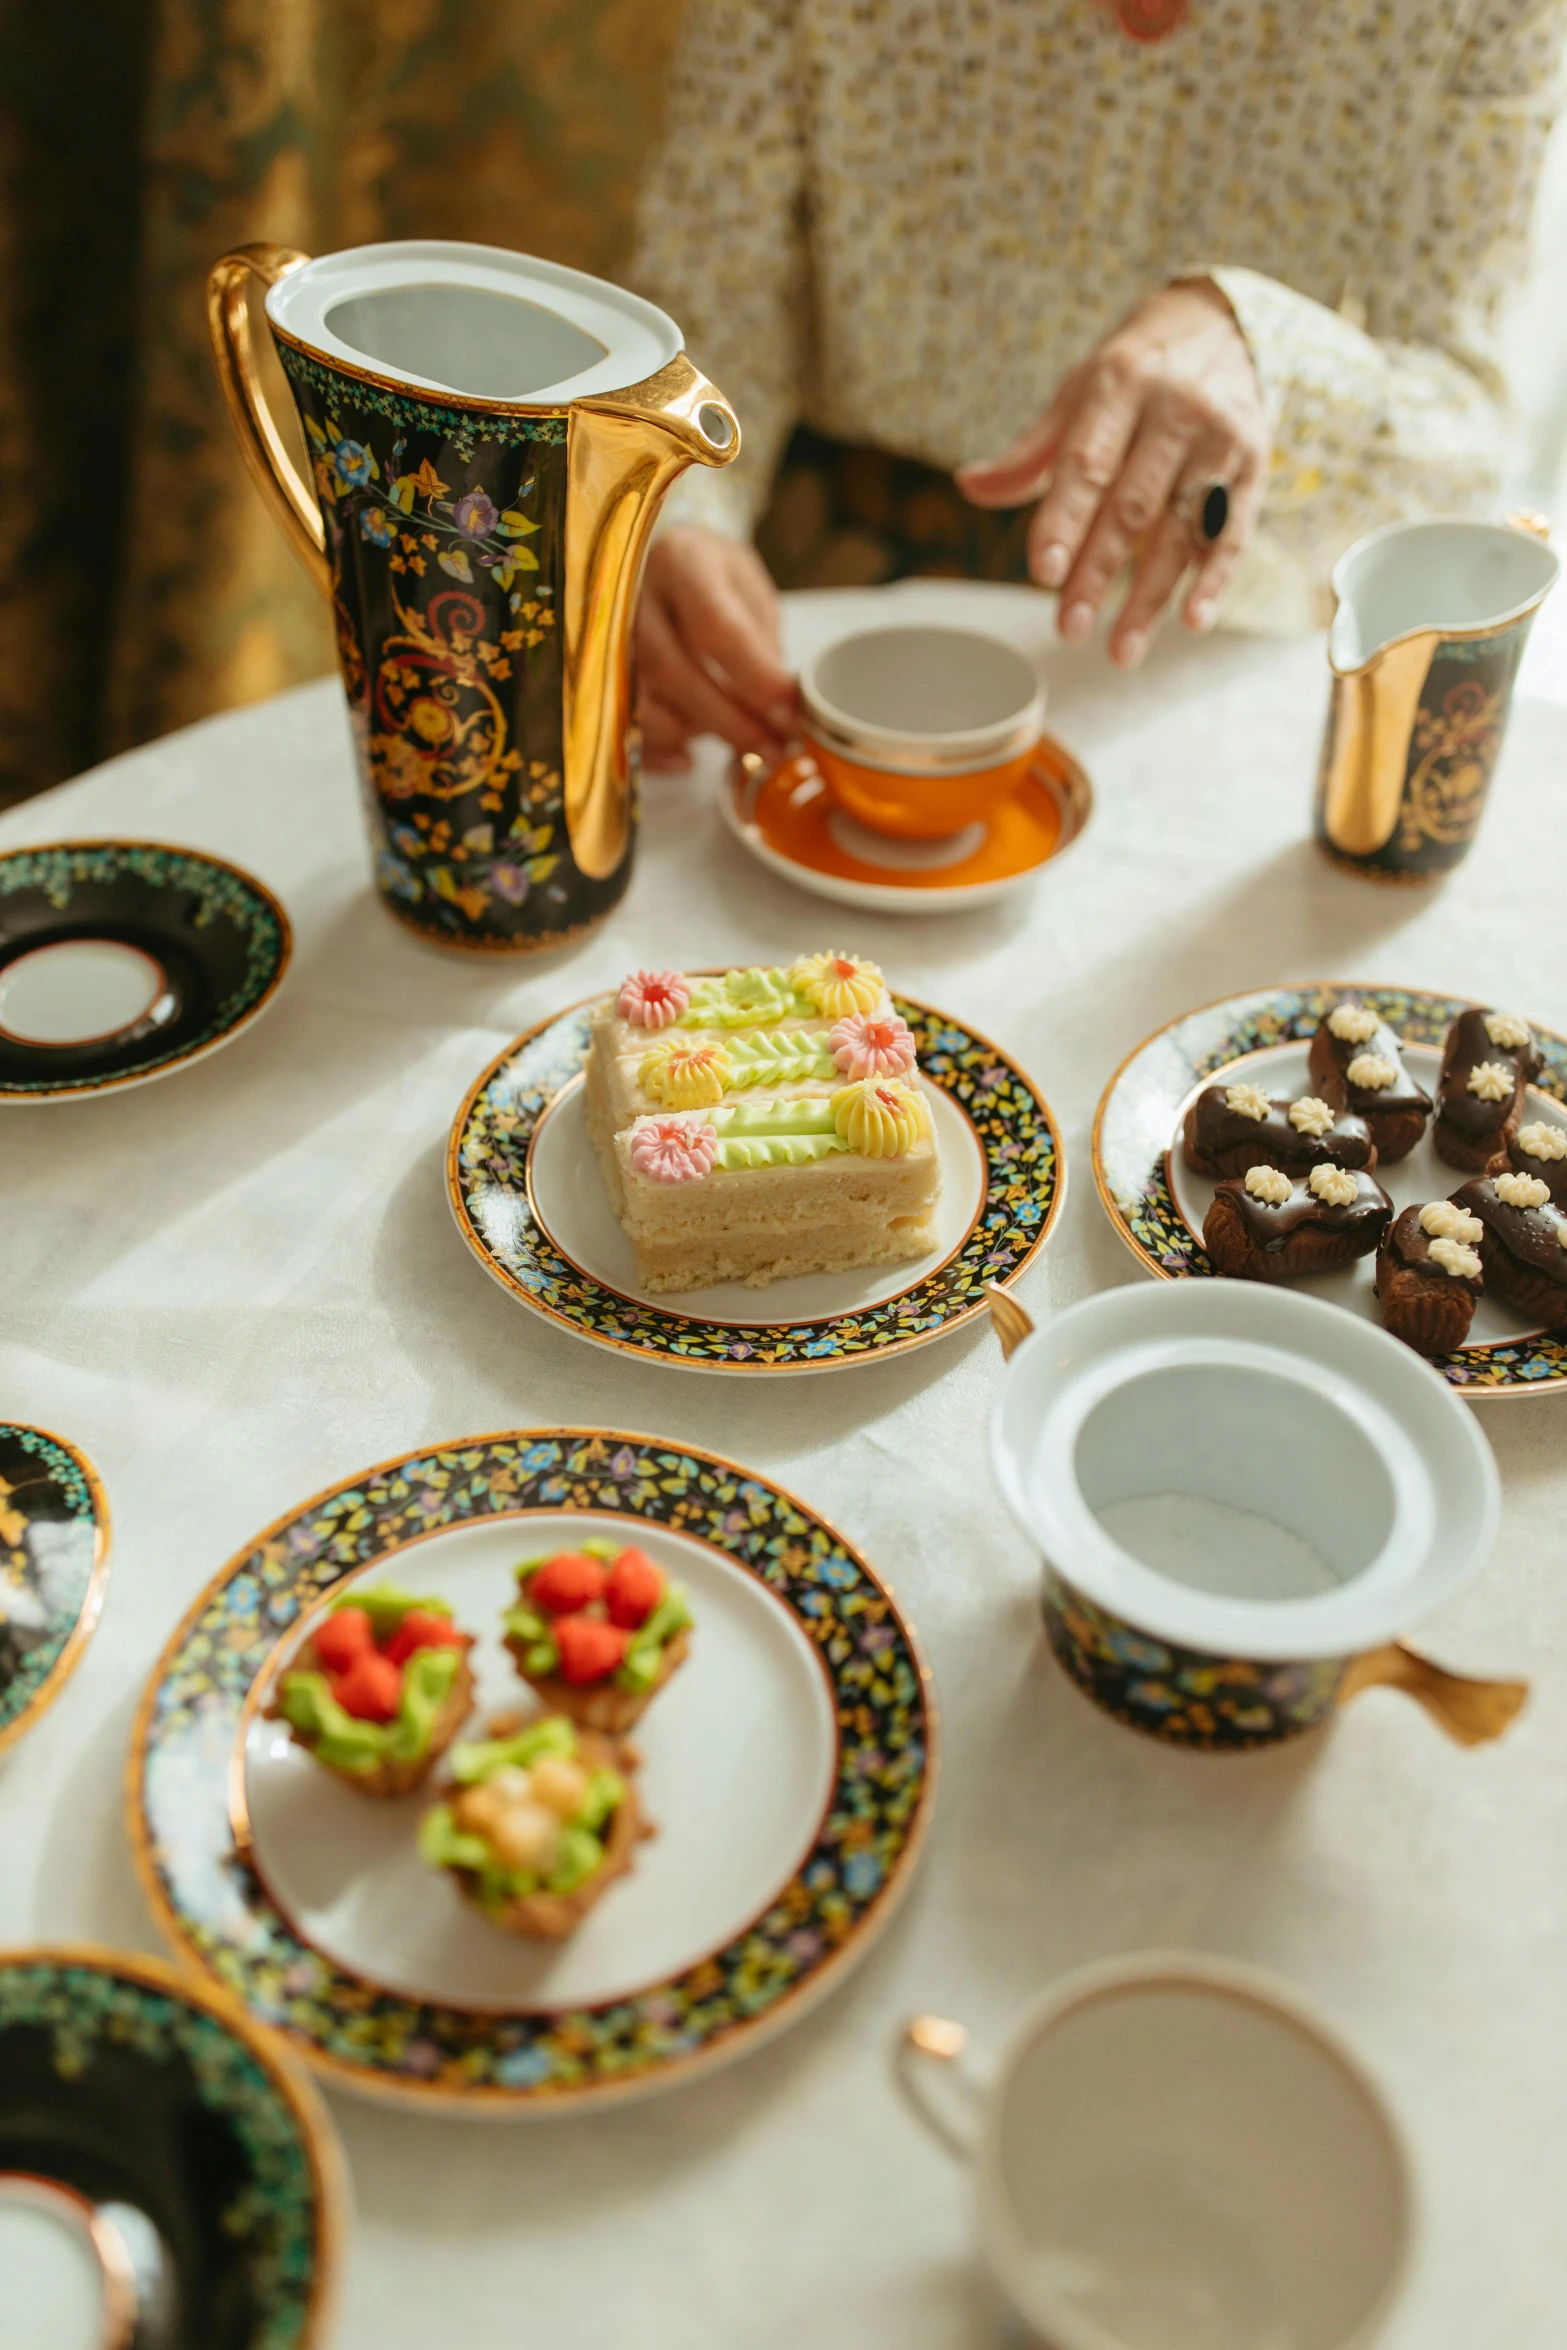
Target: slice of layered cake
<point x="762" y="1123"/>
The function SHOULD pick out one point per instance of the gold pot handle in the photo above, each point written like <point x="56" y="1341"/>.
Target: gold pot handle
<point x="1008" y="1319"/>
<point x="1471" y="1711"/>
<point x="229" y="286"/>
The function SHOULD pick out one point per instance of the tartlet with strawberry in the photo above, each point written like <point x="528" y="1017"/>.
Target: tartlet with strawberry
<point x="597" y="1632"/>
<point x="379" y="1689"/>
<point x="537" y="1825"/>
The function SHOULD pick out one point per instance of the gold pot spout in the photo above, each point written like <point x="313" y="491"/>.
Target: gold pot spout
<point x="623" y="451"/>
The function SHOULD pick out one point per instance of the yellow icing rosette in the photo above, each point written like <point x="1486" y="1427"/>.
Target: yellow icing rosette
<point x="685" y="1076"/>
<point x="880" y="1117"/>
<point x="837" y="984"/>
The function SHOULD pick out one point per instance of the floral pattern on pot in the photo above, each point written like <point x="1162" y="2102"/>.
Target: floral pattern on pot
<point x="445" y="532"/>
<point x="1454" y="744"/>
<point x="1137" y="1118"/>
<point x="1221" y="1705"/>
<point x="487" y="1184"/>
<point x="53" y="1568"/>
<point x="223" y="941"/>
<point x="132" y="2063"/>
<point x="862" y="1859"/>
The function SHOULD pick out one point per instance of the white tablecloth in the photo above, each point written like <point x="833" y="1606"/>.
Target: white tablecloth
<point x="238" y="1286"/>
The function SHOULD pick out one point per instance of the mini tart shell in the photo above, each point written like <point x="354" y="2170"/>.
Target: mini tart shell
<point x="550" y="1917"/>
<point x="389" y="1778"/>
<point x="600" y="1705"/>
<point x="1427" y="1309"/>
<point x="1543" y="1302"/>
<point x="1310" y="1248"/>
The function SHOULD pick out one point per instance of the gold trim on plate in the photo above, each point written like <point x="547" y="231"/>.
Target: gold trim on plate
<point x="86" y="1623"/>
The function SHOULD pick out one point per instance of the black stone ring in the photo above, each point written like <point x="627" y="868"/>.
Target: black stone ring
<point x="1209" y="509"/>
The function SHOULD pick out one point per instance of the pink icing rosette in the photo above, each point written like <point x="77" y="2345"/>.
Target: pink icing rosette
<point x="652" y="999"/>
<point x="667" y="1150"/>
<point x="872" y="1044"/>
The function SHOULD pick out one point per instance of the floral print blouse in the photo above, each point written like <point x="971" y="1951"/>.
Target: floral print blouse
<point x="902" y="221"/>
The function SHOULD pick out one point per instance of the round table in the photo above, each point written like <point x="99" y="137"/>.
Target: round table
<point x="238" y="1286"/>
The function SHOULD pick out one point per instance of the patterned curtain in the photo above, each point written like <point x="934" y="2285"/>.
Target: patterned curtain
<point x="142" y="584"/>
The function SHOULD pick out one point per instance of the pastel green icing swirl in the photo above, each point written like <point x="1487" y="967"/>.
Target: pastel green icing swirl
<point x="737" y="1120"/>
<point x="349" y="1744"/>
<point x="777" y="1060"/>
<point x="779" y="1150"/>
<point x="745" y="999"/>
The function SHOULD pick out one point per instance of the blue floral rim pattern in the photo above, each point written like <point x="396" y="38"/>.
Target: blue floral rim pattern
<point x="1137" y="1116"/>
<point x="214" y="1906"/>
<point x="278" y="2222"/>
<point x="1025" y="1181"/>
<point x="53" y="1567"/>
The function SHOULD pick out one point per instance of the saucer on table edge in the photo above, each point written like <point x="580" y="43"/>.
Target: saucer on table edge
<point x="121" y="961"/>
<point x="176" y="2146"/>
<point x="490" y="1158"/>
<point x="525" y="2060"/>
<point x="1136" y="1138"/>
<point x="54" y="1569"/>
<point x="786" y="818"/>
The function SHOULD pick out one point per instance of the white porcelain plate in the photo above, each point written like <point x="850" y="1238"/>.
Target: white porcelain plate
<point x="1158" y="1205"/>
<point x="528" y="1198"/>
<point x="789" y="1769"/>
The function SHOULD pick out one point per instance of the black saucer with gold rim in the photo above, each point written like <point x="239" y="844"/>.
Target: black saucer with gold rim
<point x="123" y="960"/>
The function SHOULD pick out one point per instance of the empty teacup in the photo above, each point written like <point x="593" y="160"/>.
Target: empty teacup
<point x="1176" y="2154"/>
<point x="1243" y="1498"/>
<point x="921" y="731"/>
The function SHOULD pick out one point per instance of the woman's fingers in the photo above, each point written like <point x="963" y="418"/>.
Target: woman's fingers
<point x="1202" y="603"/>
<point x="1133" y="508"/>
<point x="1022" y="471"/>
<point x="1087" y="465"/>
<point x="1167" y="555"/>
<point x="666" y="743"/>
<point x="673" y="674"/>
<point x="724" y="633"/>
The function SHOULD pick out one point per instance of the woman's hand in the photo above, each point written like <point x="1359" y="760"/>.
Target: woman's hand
<point x="708" y="655"/>
<point x="1168" y="403"/>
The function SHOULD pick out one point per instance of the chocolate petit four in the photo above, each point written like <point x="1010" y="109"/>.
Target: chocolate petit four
<point x="1524" y="1243"/>
<point x="1357" y="1064"/>
<point x="379" y="1689"/>
<point x="597" y="1631"/>
<point x="538" y="1824"/>
<point x="1540" y="1148"/>
<point x="1489" y="1060"/>
<point x="1232" y="1127"/>
<point x="1269" y="1226"/>
<point x="1429" y="1276"/>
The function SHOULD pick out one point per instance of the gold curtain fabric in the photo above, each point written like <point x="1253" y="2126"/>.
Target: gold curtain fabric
<point x="142" y="584"/>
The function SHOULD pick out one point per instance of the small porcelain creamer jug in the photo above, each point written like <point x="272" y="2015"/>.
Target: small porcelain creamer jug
<point x="1431" y="623"/>
<point x="491" y="438"/>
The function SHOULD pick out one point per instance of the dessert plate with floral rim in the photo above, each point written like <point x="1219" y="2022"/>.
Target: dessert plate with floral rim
<point x="785" y="817"/>
<point x="54" y="1569"/>
<point x="123" y="960"/>
<point x="168" y="2175"/>
<point x="526" y="1191"/>
<point x="1157" y="1204"/>
<point x="788" y="1768"/>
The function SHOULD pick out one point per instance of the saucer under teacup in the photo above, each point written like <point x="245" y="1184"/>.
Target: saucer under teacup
<point x="122" y="960"/>
<point x="168" y="2177"/>
<point x="54" y="1569"/>
<point x="786" y="818"/>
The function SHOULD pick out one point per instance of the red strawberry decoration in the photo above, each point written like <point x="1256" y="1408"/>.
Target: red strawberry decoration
<point x="420" y="1629"/>
<point x="564" y="1586"/>
<point x="371" y="1689"/>
<point x="589" y="1651"/>
<point x="346" y="1634"/>
<point x="634" y="1589"/>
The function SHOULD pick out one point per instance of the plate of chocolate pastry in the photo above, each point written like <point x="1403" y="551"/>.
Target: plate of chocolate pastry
<point x="1403" y="1154"/>
<point x="538" y="1769"/>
